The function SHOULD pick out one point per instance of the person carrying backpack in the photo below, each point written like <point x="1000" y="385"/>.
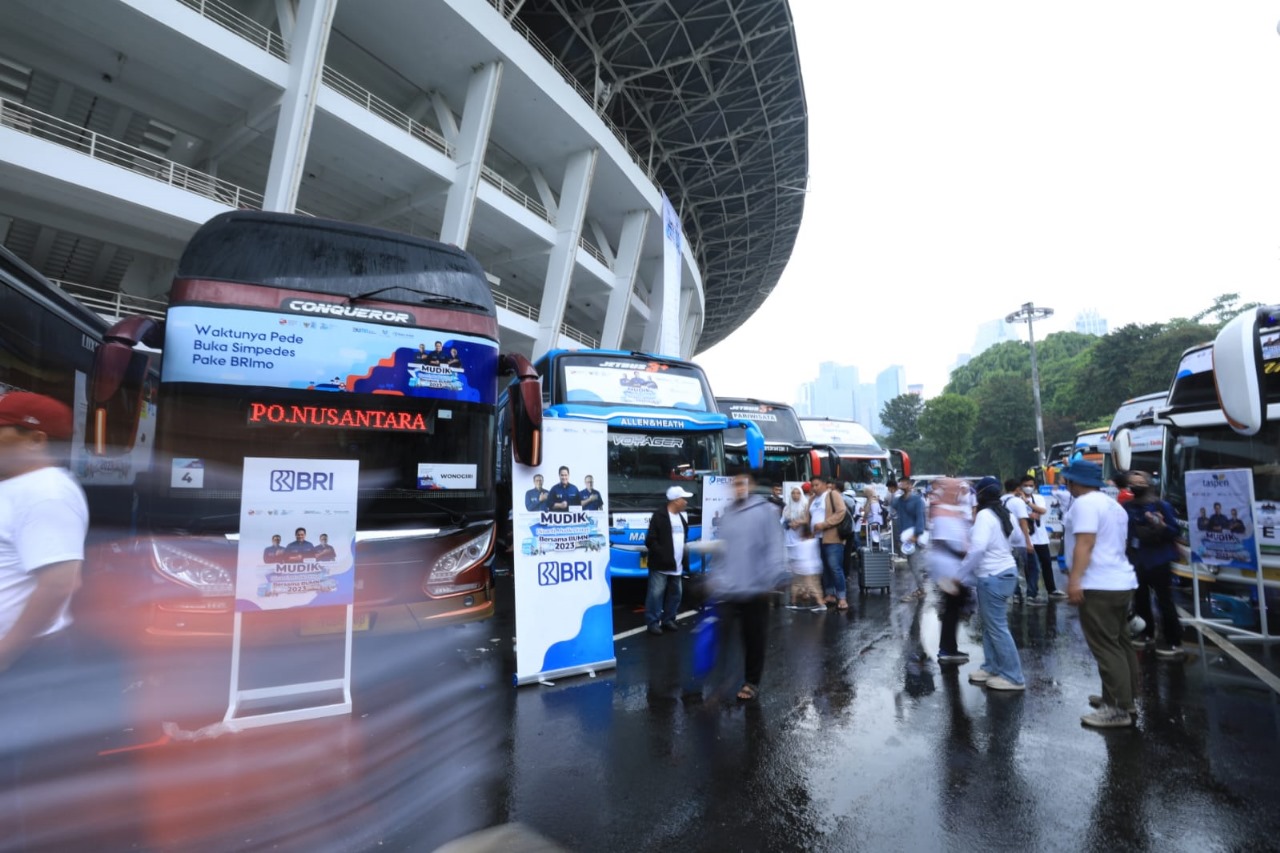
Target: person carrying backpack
<point x="826" y="513"/>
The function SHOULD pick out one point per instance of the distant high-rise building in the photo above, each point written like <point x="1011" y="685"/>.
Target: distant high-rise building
<point x="991" y="333"/>
<point x="1090" y="322"/>
<point x="831" y="394"/>
<point x="890" y="383"/>
<point x="864" y="405"/>
<point x="918" y="390"/>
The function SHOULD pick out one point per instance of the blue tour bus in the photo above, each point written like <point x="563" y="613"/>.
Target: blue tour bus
<point x="664" y="429"/>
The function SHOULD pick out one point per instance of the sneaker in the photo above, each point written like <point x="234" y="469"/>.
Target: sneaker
<point x="1108" y="718"/>
<point x="1169" y="652"/>
<point x="1095" y="701"/>
<point x="1036" y="601"/>
<point x="952" y="657"/>
<point x="818" y="608"/>
<point x="670" y="626"/>
<point x="980" y="676"/>
<point x="655" y="629"/>
<point x="999" y="682"/>
<point x="1142" y="642"/>
<point x="1057" y="594"/>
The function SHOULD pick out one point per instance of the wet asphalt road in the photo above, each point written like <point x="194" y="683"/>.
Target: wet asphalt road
<point x="859" y="741"/>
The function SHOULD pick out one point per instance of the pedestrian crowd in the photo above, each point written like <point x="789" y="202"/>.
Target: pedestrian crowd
<point x="985" y="547"/>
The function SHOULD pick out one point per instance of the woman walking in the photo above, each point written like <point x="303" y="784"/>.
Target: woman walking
<point x="803" y="558"/>
<point x="950" y="520"/>
<point x="990" y="561"/>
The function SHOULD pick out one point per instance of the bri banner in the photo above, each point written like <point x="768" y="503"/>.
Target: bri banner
<point x="564" y="616"/>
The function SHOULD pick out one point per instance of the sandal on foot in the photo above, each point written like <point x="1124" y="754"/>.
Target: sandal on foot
<point x="842" y="605"/>
<point x="748" y="692"/>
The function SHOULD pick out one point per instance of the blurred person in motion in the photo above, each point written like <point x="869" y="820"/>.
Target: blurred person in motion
<point x="910" y="509"/>
<point x="950" y="520"/>
<point x="990" y="561"/>
<point x="1153" y="537"/>
<point x="1101" y="584"/>
<point x="44" y="518"/>
<point x="667" y="542"/>
<point x="826" y="511"/>
<point x="872" y="516"/>
<point x="1039" y="511"/>
<point x="751" y="566"/>
<point x="803" y="558"/>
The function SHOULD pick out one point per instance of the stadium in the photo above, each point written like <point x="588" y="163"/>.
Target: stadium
<point x="543" y="136"/>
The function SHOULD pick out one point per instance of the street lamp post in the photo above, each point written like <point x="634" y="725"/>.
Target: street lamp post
<point x="1028" y="314"/>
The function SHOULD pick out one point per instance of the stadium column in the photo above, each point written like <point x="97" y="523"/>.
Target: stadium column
<point x="579" y="172"/>
<point x="473" y="138"/>
<point x="625" y="267"/>
<point x="692" y="323"/>
<point x="298" y="106"/>
<point x="662" y="332"/>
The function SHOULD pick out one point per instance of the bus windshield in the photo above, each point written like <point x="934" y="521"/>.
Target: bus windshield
<point x="778" y="422"/>
<point x="618" y="380"/>
<point x="642" y="466"/>
<point x="1220" y="447"/>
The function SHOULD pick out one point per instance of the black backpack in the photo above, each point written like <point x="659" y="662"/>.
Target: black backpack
<point x="845" y="528"/>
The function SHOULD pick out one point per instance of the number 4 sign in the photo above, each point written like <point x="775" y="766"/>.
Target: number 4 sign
<point x="187" y="474"/>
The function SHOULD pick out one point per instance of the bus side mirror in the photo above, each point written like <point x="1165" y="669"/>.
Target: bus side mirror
<point x="755" y="442"/>
<point x="1238" y="369"/>
<point x="903" y="462"/>
<point x="118" y="382"/>
<point x="825" y="462"/>
<point x="524" y="410"/>
<point x="1122" y="449"/>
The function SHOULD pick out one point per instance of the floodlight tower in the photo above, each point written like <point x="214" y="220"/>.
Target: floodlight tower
<point x="1028" y="314"/>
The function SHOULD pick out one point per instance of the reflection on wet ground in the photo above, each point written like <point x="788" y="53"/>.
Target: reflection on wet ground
<point x="860" y="741"/>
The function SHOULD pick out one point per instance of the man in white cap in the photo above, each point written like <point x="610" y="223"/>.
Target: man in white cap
<point x="668" y="561"/>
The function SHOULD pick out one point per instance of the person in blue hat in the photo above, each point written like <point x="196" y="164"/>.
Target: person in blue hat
<point x="990" y="561"/>
<point x="1101" y="584"/>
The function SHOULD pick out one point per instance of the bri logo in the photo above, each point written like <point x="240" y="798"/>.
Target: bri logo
<point x="553" y="573"/>
<point x="301" y="481"/>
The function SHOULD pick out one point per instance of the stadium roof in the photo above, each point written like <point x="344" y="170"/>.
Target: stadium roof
<point x="709" y="93"/>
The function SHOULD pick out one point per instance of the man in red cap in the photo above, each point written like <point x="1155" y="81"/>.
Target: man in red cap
<point x="43" y="522"/>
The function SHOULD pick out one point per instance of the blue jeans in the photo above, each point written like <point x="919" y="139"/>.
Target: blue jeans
<point x="833" y="569"/>
<point x="662" y="602"/>
<point x="998" y="648"/>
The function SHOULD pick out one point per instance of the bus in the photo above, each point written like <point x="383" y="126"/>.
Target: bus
<point x="863" y="462"/>
<point x="1223" y="411"/>
<point x="1146" y="442"/>
<point x="300" y="338"/>
<point x="789" y="457"/>
<point x="48" y="341"/>
<point x="663" y="427"/>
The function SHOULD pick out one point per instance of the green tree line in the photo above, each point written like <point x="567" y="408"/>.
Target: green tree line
<point x="984" y="421"/>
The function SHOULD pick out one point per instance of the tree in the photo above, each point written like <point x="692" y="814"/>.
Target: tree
<point x="946" y="426"/>
<point x="1005" y="433"/>
<point x="1223" y="309"/>
<point x="899" y="419"/>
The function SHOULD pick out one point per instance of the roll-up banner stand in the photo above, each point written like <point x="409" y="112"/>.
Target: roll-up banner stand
<point x="564" y="615"/>
<point x="296" y="550"/>
<point x="1223" y="531"/>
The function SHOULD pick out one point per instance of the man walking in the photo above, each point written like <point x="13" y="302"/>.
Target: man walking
<point x="751" y="566"/>
<point x="1101" y="584"/>
<point x="43" y="521"/>
<point x="911" y="519"/>
<point x="668" y="561"/>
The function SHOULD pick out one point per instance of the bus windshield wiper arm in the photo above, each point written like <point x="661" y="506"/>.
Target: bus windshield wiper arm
<point x="457" y="519"/>
<point x="434" y="298"/>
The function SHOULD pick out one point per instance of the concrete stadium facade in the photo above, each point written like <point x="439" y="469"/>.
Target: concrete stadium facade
<point x="541" y="136"/>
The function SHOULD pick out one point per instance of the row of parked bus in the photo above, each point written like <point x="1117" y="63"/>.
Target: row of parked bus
<point x="292" y="337"/>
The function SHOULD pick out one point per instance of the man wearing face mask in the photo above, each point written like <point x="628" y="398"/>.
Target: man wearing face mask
<point x="1039" y="542"/>
<point x="1153" y="536"/>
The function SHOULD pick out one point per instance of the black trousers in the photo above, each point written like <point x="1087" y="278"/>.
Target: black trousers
<point x="1043" y="562"/>
<point x="952" y="610"/>
<point x="1158" y="579"/>
<point x="753" y="618"/>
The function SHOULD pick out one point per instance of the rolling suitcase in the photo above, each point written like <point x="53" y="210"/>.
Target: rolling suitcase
<point x="877" y="570"/>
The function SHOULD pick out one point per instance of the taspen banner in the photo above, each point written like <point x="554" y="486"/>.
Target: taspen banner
<point x="564" y="616"/>
<point x="1220" y="510"/>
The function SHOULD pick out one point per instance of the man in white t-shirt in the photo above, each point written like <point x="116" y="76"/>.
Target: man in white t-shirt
<point x="1039" y="510"/>
<point x="1018" y="541"/>
<point x="1101" y="584"/>
<point x="43" y="522"/>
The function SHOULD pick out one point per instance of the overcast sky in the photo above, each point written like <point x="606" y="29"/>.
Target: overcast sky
<point x="965" y="158"/>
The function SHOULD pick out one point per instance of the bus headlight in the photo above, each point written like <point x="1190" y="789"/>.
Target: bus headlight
<point x="456" y="561"/>
<point x="189" y="569"/>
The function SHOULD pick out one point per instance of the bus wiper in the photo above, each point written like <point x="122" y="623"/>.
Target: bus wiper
<point x="457" y="519"/>
<point x="433" y="298"/>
